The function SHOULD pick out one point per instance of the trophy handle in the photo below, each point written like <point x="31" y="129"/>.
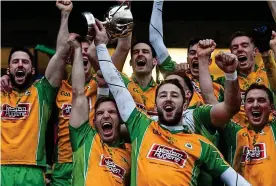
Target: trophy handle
<point x="89" y="18"/>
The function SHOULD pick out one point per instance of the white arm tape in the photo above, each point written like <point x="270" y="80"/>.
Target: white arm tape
<point x="156" y="32"/>
<point x="231" y="76"/>
<point x="232" y="178"/>
<point x="102" y="91"/>
<point x="123" y="98"/>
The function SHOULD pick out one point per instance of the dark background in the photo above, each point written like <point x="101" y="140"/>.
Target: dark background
<point x="31" y="23"/>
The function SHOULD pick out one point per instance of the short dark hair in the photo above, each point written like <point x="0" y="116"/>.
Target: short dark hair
<point x="260" y="87"/>
<point x="102" y="99"/>
<point x="187" y="80"/>
<point x="21" y="49"/>
<point x="193" y="41"/>
<point x="147" y="43"/>
<point x="174" y="82"/>
<point x="240" y="34"/>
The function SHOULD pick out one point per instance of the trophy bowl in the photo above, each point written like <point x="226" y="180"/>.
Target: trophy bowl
<point x="118" y="22"/>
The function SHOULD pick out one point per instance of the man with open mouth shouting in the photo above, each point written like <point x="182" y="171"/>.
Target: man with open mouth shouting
<point x="166" y="149"/>
<point x="243" y="46"/>
<point x="25" y="112"/>
<point x="252" y="149"/>
<point x="100" y="157"/>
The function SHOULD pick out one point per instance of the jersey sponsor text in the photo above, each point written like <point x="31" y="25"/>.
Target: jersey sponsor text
<point x="168" y="154"/>
<point x="114" y="168"/>
<point x="22" y="110"/>
<point x="257" y="153"/>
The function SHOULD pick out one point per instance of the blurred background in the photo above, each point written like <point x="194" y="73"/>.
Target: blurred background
<point x="28" y="23"/>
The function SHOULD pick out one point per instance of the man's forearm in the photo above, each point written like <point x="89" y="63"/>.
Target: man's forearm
<point x="205" y="81"/>
<point x="120" y="54"/>
<point x="156" y="32"/>
<point x="232" y="95"/>
<point x="232" y="178"/>
<point x="78" y="75"/>
<point x="270" y="67"/>
<point x="80" y="111"/>
<point x="63" y="34"/>
<point x="123" y="98"/>
<point x="55" y="69"/>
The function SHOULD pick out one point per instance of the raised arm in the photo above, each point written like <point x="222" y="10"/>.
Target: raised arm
<point x="80" y="111"/>
<point x="123" y="98"/>
<point x="272" y="6"/>
<point x="269" y="62"/>
<point x="118" y="57"/>
<point x="120" y="54"/>
<point x="222" y="112"/>
<point x="156" y="38"/>
<point x="55" y="69"/>
<point x="204" y="51"/>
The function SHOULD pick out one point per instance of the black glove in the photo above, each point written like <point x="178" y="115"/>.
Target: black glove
<point x="262" y="35"/>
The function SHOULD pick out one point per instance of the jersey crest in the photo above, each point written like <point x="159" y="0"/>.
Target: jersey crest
<point x="66" y="110"/>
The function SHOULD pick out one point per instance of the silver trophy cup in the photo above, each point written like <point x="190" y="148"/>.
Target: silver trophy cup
<point x="118" y="22"/>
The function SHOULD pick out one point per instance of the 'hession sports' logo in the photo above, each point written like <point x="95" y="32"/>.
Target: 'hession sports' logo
<point x="163" y="153"/>
<point x="114" y="168"/>
<point x="257" y="153"/>
<point x="21" y="111"/>
<point x="66" y="110"/>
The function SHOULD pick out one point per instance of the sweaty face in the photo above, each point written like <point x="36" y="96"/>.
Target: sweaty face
<point x="169" y="103"/>
<point x="107" y="121"/>
<point x="141" y="60"/>
<point x="257" y="108"/>
<point x="20" y="69"/>
<point x="245" y="50"/>
<point x="188" y="93"/>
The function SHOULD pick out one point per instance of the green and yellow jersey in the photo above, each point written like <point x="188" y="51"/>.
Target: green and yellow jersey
<point x="253" y="154"/>
<point x="171" y="153"/>
<point x="24" y="118"/>
<point x="96" y="163"/>
<point x="143" y="97"/>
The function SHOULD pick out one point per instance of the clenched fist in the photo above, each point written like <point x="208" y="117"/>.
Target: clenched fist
<point x="64" y="6"/>
<point x="227" y="62"/>
<point x="72" y="41"/>
<point x="206" y="47"/>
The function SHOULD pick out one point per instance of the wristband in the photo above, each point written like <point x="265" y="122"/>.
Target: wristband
<point x="231" y="76"/>
<point x="103" y="91"/>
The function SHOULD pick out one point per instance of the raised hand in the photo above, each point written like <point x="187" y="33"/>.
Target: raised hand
<point x="205" y="47"/>
<point x="64" y="6"/>
<point x="227" y="62"/>
<point x="101" y="35"/>
<point x="73" y="42"/>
